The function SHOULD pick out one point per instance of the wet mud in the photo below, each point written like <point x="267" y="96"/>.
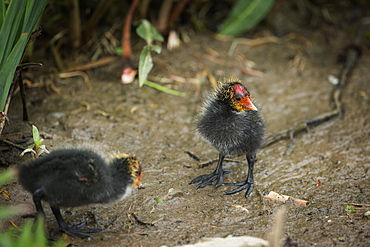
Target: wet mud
<point x="160" y="130"/>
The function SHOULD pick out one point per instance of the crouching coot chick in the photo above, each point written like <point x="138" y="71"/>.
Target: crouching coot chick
<point x="232" y="124"/>
<point x="74" y="177"/>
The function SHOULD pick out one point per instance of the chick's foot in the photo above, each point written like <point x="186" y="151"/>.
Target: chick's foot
<point x="242" y="186"/>
<point x="208" y="179"/>
<point x="75" y="231"/>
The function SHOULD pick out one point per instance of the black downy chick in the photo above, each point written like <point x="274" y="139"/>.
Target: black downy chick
<point x="232" y="124"/>
<point x="76" y="177"/>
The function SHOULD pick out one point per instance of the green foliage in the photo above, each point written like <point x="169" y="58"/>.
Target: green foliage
<point x="244" y="15"/>
<point x="17" y="21"/>
<point x="27" y="235"/>
<point x="6" y="212"/>
<point x="6" y="176"/>
<point x="150" y="34"/>
<point x="36" y="137"/>
<point x="37" y="148"/>
<point x="159" y="200"/>
<point x="145" y="65"/>
<point x="350" y="210"/>
<point x="164" y="89"/>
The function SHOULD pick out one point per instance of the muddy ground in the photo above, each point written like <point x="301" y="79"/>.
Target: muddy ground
<point x="159" y="129"/>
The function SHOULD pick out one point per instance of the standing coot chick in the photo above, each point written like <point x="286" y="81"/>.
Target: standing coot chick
<point x="233" y="125"/>
<point x="75" y="177"/>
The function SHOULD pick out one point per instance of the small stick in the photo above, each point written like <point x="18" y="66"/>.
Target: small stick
<point x="23" y="96"/>
<point x="78" y="73"/>
<point x="353" y="54"/>
<point x="358" y="204"/>
<point x="140" y="221"/>
<point x="12" y="144"/>
<point x="91" y="65"/>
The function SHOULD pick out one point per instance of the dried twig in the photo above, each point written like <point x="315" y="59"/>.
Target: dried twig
<point x="94" y="64"/>
<point x="12" y="144"/>
<point x="353" y="54"/>
<point x="140" y="221"/>
<point x="358" y="204"/>
<point x="78" y="73"/>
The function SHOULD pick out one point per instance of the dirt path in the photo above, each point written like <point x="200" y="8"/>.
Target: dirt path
<point x="159" y="129"/>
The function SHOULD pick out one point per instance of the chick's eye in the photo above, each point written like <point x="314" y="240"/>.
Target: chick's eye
<point x="237" y="98"/>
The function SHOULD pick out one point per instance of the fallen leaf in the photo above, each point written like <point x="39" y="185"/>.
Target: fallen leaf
<point x="283" y="198"/>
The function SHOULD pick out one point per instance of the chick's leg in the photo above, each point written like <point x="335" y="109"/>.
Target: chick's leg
<point x="37" y="196"/>
<point x="249" y="183"/>
<point x="208" y="179"/>
<point x="72" y="231"/>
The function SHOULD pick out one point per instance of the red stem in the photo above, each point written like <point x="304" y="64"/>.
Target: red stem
<point x="126" y="37"/>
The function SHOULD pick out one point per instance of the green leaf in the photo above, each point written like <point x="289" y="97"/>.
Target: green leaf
<point x="33" y="13"/>
<point x="157" y="48"/>
<point x="159" y="200"/>
<point x="148" y="32"/>
<point x="7" y="71"/>
<point x="145" y="65"/>
<point x="6" y="176"/>
<point x="40" y="236"/>
<point x="164" y="89"/>
<point x="244" y="15"/>
<point x="26" y="234"/>
<point x="16" y="25"/>
<point x="36" y="138"/>
<point x="7" y="212"/>
<point x="118" y="51"/>
<point x="35" y="133"/>
<point x="350" y="208"/>
<point x="2" y="12"/>
<point x="10" y="28"/>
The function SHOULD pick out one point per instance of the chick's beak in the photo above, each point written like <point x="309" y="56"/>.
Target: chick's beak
<point x="137" y="182"/>
<point x="247" y="103"/>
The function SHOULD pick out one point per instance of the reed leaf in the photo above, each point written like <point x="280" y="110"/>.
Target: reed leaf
<point x="18" y="20"/>
<point x="244" y="15"/>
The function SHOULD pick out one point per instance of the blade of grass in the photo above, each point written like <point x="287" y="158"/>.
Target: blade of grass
<point x="20" y="19"/>
<point x="7" y="212"/>
<point x="6" y="176"/>
<point x="33" y="13"/>
<point x="164" y="89"/>
<point x="40" y="236"/>
<point x="2" y="12"/>
<point x="26" y="234"/>
<point x="244" y="15"/>
<point x="10" y="29"/>
<point x="7" y="71"/>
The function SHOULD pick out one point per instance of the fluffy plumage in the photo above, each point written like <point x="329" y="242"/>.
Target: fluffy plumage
<point x="75" y="177"/>
<point x="231" y="122"/>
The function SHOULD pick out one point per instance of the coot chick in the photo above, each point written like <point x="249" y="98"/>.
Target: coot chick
<point x="76" y="177"/>
<point x="232" y="124"/>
